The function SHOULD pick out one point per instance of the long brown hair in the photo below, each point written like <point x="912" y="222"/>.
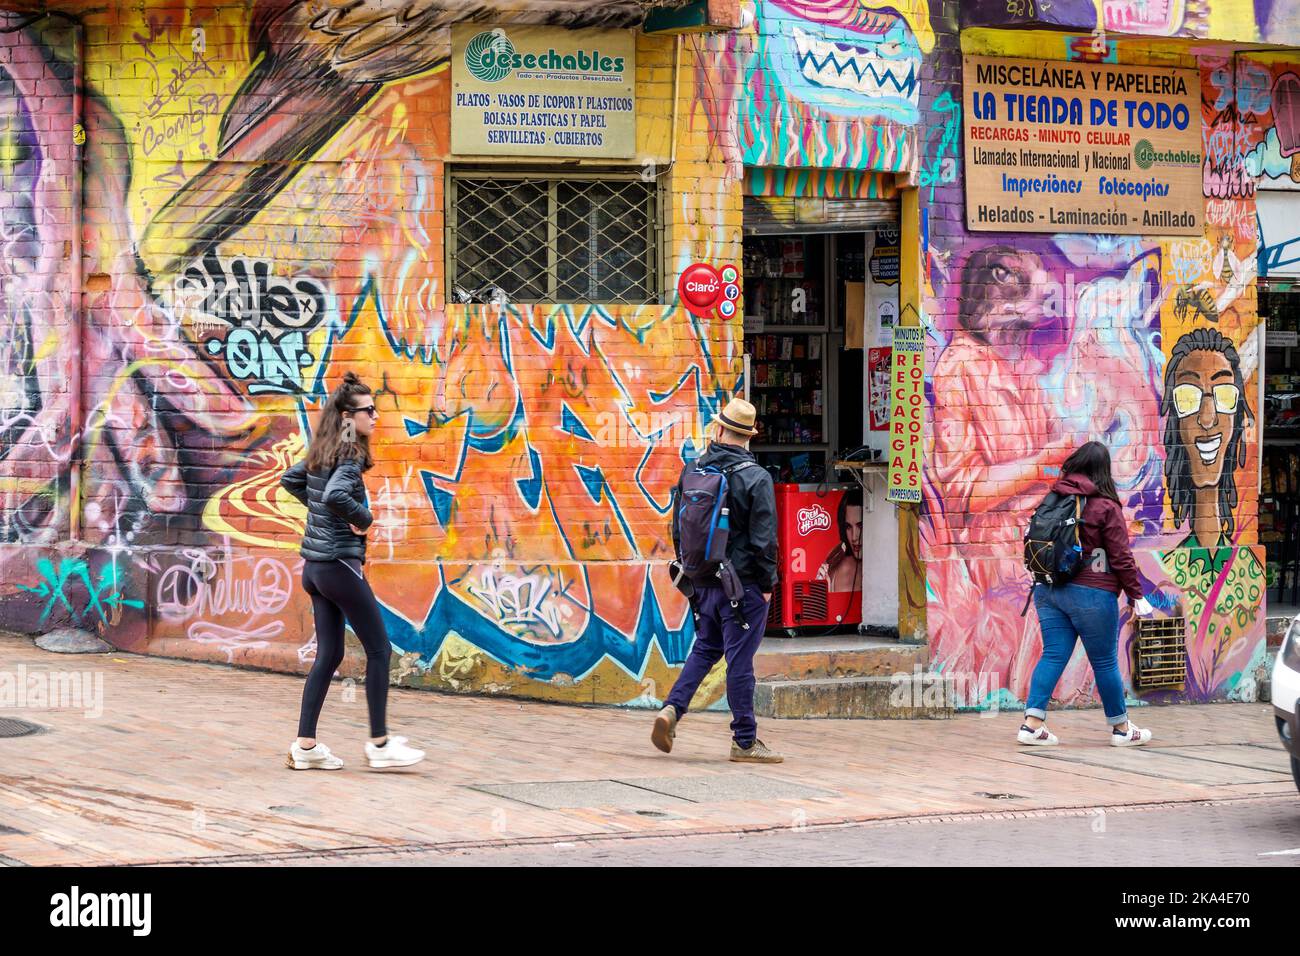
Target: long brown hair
<point x="1092" y="460"/>
<point x="329" y="445"/>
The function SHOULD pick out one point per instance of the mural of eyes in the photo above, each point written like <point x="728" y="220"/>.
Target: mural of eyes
<point x="1001" y="284"/>
<point x="848" y="57"/>
<point x="1189" y="398"/>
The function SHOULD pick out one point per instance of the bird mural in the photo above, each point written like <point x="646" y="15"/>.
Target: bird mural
<point x="148" y="420"/>
<point x="316" y="64"/>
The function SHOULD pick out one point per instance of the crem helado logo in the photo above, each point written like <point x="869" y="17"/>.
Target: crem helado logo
<point x="813" y="519"/>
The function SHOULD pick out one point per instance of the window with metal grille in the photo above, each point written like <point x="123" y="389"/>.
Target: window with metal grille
<point x="552" y="238"/>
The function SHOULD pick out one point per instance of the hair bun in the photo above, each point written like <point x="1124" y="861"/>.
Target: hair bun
<point x="351" y="378"/>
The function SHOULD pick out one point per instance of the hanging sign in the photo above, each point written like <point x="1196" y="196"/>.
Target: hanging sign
<point x="906" y="414"/>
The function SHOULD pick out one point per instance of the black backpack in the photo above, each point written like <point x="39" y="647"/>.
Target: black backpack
<point x="703" y="528"/>
<point x="1053" y="552"/>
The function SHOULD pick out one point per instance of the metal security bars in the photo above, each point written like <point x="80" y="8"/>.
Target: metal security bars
<point x="564" y="237"/>
<point x="1160" y="652"/>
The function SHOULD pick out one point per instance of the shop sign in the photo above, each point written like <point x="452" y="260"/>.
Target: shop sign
<point x="1082" y="147"/>
<point x="1277" y="339"/>
<point x="907" y="414"/>
<point x="883" y="265"/>
<point x="878" y="371"/>
<point x="542" y="91"/>
<point x="704" y="289"/>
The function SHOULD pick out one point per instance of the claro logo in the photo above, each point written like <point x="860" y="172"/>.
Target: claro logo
<point x="813" y="519"/>
<point x="490" y="56"/>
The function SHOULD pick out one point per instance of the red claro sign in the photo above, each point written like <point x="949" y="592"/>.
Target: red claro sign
<point x="704" y="289"/>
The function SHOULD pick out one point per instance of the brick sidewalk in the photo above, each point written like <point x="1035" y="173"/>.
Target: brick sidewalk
<point x="186" y="763"/>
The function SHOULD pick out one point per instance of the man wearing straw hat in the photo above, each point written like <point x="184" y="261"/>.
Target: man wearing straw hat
<point x="724" y="629"/>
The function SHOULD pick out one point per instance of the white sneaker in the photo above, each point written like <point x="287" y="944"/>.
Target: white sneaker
<point x="317" y="758"/>
<point x="1042" y="737"/>
<point x="1135" y="737"/>
<point x="395" y="753"/>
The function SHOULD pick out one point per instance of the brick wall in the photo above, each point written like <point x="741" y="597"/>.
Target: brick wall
<point x="525" y="453"/>
<point x="1110" y="316"/>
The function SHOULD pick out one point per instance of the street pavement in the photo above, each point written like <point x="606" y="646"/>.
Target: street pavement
<point x="182" y="762"/>
<point x="1250" y="831"/>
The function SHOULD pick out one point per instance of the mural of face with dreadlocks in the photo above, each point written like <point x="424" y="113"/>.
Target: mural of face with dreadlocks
<point x="1205" y="416"/>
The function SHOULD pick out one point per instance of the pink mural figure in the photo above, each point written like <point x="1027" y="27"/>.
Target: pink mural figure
<point x="1016" y="389"/>
<point x="993" y="427"/>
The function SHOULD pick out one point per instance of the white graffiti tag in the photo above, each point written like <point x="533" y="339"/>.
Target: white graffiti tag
<point x="520" y="600"/>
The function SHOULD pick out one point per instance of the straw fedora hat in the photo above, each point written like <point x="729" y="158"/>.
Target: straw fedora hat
<point x="738" y="417"/>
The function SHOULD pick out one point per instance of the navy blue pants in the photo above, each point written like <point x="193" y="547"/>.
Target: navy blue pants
<point x="717" y="635"/>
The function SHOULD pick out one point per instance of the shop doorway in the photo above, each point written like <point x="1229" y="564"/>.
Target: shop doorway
<point x="1279" y="502"/>
<point x="813" y="302"/>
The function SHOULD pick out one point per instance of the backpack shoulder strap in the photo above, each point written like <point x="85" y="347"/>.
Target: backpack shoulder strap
<point x="737" y="467"/>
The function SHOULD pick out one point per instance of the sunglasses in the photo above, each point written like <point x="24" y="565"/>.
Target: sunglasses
<point x="368" y="409"/>
<point x="1188" y="398"/>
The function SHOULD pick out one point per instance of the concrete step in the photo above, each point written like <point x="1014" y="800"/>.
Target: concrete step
<point x="899" y="696"/>
<point x="804" y="658"/>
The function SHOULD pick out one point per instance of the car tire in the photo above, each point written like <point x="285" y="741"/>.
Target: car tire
<point x="1295" y="771"/>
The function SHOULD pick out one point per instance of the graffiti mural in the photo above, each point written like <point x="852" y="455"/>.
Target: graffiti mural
<point x="255" y="202"/>
<point x="263" y="209"/>
<point x="1144" y="344"/>
<point x="831" y="83"/>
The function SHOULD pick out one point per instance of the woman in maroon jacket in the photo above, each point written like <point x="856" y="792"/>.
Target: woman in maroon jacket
<point x="1088" y="607"/>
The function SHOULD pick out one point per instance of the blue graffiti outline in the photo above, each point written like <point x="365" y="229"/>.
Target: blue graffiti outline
<point x="450" y="613"/>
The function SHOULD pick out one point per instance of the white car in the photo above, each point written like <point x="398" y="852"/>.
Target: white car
<point x="1286" y="695"/>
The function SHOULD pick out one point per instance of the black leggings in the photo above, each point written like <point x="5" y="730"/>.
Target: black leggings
<point x="338" y="590"/>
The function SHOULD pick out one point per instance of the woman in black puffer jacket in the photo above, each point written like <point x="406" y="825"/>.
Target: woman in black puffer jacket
<point x="329" y="482"/>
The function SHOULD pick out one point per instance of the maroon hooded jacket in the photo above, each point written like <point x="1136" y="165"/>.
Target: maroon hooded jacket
<point x="1107" y="560"/>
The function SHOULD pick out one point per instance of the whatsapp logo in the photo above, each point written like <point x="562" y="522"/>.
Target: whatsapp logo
<point x="1144" y="154"/>
<point x="489" y="56"/>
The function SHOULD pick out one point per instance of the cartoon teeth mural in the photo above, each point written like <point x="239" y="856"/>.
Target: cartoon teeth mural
<point x="831" y="83"/>
<point x="857" y="73"/>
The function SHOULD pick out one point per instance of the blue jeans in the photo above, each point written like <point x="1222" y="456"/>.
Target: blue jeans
<point x="718" y="634"/>
<point x="1067" y="613"/>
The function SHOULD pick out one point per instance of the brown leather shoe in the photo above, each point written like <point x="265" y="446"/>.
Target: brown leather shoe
<point x="665" y="729"/>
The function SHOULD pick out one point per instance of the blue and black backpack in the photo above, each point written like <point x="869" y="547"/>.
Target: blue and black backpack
<point x="703" y="528"/>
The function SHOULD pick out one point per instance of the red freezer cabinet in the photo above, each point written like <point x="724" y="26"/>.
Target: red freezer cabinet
<point x="819" y="537"/>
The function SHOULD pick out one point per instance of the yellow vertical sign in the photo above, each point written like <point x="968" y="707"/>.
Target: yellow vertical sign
<point x="906" y="414"/>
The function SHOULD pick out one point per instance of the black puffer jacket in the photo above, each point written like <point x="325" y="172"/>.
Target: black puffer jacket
<point x="751" y="543"/>
<point x="334" y="501"/>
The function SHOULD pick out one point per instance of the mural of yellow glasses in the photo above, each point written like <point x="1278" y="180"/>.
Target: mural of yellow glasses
<point x="1188" y="398"/>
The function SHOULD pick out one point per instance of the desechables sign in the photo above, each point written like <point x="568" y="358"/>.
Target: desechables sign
<point x="542" y="91"/>
<point x="705" y="290"/>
